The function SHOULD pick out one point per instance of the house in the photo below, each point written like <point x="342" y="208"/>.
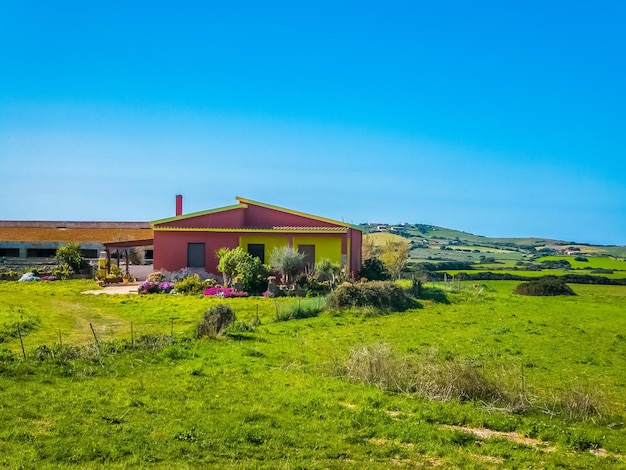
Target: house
<point x="34" y="243"/>
<point x="192" y="240"/>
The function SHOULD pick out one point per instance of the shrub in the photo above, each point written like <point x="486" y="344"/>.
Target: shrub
<point x="384" y="295"/>
<point x="373" y="269"/>
<point x="149" y="287"/>
<point x="216" y="320"/>
<point x="193" y="285"/>
<point x="223" y="292"/>
<point x="156" y="276"/>
<point x="556" y="264"/>
<point x="288" y="262"/>
<point x="545" y="286"/>
<point x="247" y="270"/>
<point x="71" y="256"/>
<point x="252" y="274"/>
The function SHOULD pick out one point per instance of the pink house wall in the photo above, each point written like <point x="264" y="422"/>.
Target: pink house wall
<point x="170" y="248"/>
<point x="233" y="218"/>
<point x="262" y="217"/>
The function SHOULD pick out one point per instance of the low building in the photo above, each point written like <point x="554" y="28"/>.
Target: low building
<point x="34" y="243"/>
<point x="192" y="240"/>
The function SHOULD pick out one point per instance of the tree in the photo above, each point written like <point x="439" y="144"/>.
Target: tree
<point x="368" y="249"/>
<point x="227" y="263"/>
<point x="394" y="256"/>
<point x="241" y="265"/>
<point x="325" y="270"/>
<point x="71" y="256"/>
<point x="374" y="269"/>
<point x="288" y="262"/>
<point x="252" y="274"/>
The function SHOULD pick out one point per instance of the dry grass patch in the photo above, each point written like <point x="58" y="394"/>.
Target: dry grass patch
<point x="484" y="433"/>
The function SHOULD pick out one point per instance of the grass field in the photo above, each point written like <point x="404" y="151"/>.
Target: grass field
<point x="284" y="394"/>
<point x="382" y="238"/>
<point x="592" y="262"/>
<point x="544" y="272"/>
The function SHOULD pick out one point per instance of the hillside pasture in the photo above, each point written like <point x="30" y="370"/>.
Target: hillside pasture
<point x="544" y="272"/>
<point x="380" y="239"/>
<point x="592" y="262"/>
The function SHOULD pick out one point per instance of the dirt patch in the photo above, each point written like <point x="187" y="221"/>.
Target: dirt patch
<point x="518" y="438"/>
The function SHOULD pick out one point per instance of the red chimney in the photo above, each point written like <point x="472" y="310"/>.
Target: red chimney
<point x="179" y="205"/>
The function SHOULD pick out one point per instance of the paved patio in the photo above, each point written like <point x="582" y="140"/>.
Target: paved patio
<point x="130" y="288"/>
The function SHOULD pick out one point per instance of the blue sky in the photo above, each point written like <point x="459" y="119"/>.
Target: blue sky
<point x="497" y="118"/>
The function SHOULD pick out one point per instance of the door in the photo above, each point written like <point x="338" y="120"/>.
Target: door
<point x="195" y="255"/>
<point x="309" y="255"/>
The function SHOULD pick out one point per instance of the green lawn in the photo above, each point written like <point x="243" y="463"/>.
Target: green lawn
<point x="279" y="396"/>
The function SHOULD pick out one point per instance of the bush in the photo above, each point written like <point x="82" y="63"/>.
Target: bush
<point x="383" y="295"/>
<point x="71" y="256"/>
<point x="156" y="276"/>
<point x="149" y="287"/>
<point x="545" y="286"/>
<point x="215" y="321"/>
<point x="288" y="262"/>
<point x="193" y="285"/>
<point x="373" y="269"/>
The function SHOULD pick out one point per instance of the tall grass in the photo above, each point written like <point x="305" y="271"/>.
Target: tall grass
<point x="435" y="378"/>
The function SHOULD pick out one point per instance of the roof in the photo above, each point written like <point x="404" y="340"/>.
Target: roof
<point x="293" y="212"/>
<point x="295" y="229"/>
<point x="72" y="232"/>
<point x="130" y="243"/>
<point x="243" y="204"/>
<point x="72" y="224"/>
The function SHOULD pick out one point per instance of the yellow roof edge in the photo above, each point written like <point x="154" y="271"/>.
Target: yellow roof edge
<point x="199" y="213"/>
<point x="248" y="230"/>
<point x="294" y="212"/>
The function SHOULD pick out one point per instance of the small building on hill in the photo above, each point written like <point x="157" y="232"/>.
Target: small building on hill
<point x="192" y="240"/>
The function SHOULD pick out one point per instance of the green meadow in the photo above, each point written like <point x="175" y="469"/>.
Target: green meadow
<point x="591" y="263"/>
<point x="522" y="382"/>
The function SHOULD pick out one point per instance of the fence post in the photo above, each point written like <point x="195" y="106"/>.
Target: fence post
<point x="94" y="336"/>
<point x="19" y="332"/>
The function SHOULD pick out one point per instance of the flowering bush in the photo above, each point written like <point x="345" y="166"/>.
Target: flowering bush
<point x="149" y="287"/>
<point x="224" y="292"/>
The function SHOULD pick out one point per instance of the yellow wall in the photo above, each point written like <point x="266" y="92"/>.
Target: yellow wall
<point x="270" y="242"/>
<point x="325" y="247"/>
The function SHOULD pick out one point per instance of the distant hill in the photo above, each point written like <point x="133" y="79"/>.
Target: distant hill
<point x="430" y="242"/>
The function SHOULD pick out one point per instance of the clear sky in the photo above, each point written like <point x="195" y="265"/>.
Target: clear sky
<point x="497" y="118"/>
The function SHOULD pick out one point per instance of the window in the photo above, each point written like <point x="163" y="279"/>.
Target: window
<point x="41" y="252"/>
<point x="258" y="250"/>
<point x="89" y="253"/>
<point x="195" y="255"/>
<point x="309" y="254"/>
<point x="10" y="252"/>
